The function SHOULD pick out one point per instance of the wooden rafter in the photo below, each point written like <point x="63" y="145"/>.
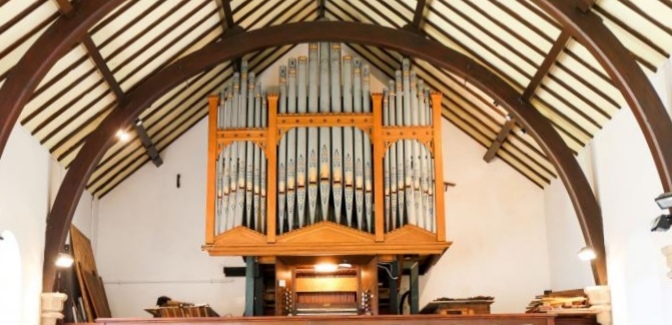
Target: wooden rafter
<point x="226" y="15"/>
<point x="321" y="9"/>
<point x="64" y="6"/>
<point x="262" y="64"/>
<point x="419" y="15"/>
<point x="585" y="5"/>
<point x="542" y="71"/>
<point x="111" y="81"/>
<point x="388" y="70"/>
<point x="499" y="140"/>
<point x="59" y="38"/>
<point x="511" y="63"/>
<point x="237" y="44"/>
<point x="102" y="67"/>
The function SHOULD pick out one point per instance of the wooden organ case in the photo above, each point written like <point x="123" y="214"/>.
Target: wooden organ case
<point x="324" y="172"/>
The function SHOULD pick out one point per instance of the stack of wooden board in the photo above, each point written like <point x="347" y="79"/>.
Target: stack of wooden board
<point x="88" y="300"/>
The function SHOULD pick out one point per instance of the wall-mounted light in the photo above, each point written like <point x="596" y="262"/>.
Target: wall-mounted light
<point x="662" y="223"/>
<point x="123" y="136"/>
<point x="665" y="200"/>
<point x="586" y="254"/>
<point x="64" y="260"/>
<point x="325" y="267"/>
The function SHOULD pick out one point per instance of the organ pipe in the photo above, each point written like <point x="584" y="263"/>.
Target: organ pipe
<point x="324" y="173"/>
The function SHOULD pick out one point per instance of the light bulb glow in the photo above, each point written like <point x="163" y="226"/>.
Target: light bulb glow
<point x="586" y="254"/>
<point x="123" y="136"/>
<point x="325" y="267"/>
<point x="64" y="260"/>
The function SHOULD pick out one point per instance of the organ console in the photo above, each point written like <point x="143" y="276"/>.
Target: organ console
<point x="323" y="170"/>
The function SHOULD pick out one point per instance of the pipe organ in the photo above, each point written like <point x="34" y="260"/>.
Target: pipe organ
<point x="325" y="167"/>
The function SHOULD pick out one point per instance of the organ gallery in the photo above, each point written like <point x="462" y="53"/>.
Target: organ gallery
<point x="326" y="182"/>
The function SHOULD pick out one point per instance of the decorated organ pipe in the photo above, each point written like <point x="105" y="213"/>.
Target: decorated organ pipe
<point x="324" y="172"/>
<point x="241" y="165"/>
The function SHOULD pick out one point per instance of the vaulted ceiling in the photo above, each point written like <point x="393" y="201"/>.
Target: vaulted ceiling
<point x="513" y="38"/>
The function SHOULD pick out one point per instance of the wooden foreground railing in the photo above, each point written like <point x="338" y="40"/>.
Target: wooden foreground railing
<point x="494" y="319"/>
<point x="523" y="319"/>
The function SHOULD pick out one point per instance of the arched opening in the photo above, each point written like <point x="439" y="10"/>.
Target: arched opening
<point x="10" y="279"/>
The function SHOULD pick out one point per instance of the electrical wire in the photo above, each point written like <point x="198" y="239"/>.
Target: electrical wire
<point x="388" y="272"/>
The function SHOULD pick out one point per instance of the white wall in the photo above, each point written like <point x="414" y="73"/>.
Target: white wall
<point x="27" y="180"/>
<point x="150" y="233"/>
<point x="149" y="230"/>
<point x="495" y="217"/>
<point x="627" y="182"/>
<point x="24" y="174"/>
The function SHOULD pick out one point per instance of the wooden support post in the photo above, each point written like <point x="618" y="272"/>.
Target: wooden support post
<point x="213" y="102"/>
<point x="272" y="159"/>
<point x="438" y="168"/>
<point x="414" y="287"/>
<point x="378" y="155"/>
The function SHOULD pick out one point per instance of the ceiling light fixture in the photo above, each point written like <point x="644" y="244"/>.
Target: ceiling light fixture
<point x="586" y="254"/>
<point x="123" y="136"/>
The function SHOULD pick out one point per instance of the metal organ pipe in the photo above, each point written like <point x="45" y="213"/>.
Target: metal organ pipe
<point x="336" y="135"/>
<point x="282" y="160"/>
<point x="324" y="173"/>
<point x="313" y="141"/>
<point x="325" y="133"/>
<point x="368" y="172"/>
<point x="291" y="144"/>
<point x="348" y="139"/>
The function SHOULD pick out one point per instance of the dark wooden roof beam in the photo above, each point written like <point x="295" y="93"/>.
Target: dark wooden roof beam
<point x="51" y="45"/>
<point x="64" y="6"/>
<point x="102" y="67"/>
<point x="147" y="143"/>
<point x="321" y="9"/>
<point x="499" y="140"/>
<point x="228" y="24"/>
<point x="550" y="58"/>
<point x="419" y="15"/>
<point x="112" y="82"/>
<point x="585" y="5"/>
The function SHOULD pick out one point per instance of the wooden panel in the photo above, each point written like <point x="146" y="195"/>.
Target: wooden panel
<point x="84" y="262"/>
<point x="326" y="284"/>
<point x="438" y="169"/>
<point x="377" y="161"/>
<point x="213" y="102"/>
<point x="96" y="291"/>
